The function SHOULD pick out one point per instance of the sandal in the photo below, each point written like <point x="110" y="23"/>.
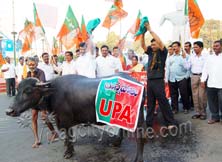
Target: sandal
<point x="36" y="145"/>
<point x="196" y="116"/>
<point x="203" y="117"/>
<point x="175" y="111"/>
<point x="186" y="111"/>
<point x="212" y="121"/>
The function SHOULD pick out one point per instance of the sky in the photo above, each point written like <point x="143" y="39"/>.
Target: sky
<point x="91" y="9"/>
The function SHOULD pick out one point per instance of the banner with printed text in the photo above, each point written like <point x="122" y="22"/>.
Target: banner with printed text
<point x="118" y="102"/>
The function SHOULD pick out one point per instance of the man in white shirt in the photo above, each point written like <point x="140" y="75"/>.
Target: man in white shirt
<point x="195" y="65"/>
<point x="56" y="65"/>
<point x="9" y="74"/>
<point x="105" y="63"/>
<point x="68" y="66"/>
<point x="170" y="53"/>
<point x="46" y="67"/>
<point x="188" y="51"/>
<point x="85" y="64"/>
<point x="130" y="54"/>
<point x="211" y="75"/>
<point x="116" y="56"/>
<point x="20" y="69"/>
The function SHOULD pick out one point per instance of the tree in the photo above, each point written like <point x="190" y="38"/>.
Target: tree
<point x="112" y="40"/>
<point x="211" y="31"/>
<point x="137" y="44"/>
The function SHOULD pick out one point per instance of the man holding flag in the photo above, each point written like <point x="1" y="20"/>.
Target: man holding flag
<point x="157" y="53"/>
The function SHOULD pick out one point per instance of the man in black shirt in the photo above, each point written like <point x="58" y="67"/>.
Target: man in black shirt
<point x="157" y="53"/>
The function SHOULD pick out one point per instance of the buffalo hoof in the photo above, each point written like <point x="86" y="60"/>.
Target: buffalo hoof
<point x="139" y="161"/>
<point x="116" y="142"/>
<point x="68" y="154"/>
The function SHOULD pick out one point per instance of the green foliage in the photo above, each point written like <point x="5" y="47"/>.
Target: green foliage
<point x="211" y="31"/>
<point x="61" y="58"/>
<point x="112" y="40"/>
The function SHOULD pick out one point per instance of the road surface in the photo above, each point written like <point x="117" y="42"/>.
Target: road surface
<point x="200" y="143"/>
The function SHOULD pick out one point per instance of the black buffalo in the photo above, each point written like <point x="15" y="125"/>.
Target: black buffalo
<point x="72" y="99"/>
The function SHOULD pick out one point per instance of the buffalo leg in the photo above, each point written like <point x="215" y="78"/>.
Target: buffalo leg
<point x="140" y="138"/>
<point x="69" y="144"/>
<point x="139" y="145"/>
<point x="118" y="139"/>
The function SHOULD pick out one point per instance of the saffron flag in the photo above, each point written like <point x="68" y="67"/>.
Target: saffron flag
<point x="28" y="31"/>
<point x="48" y="14"/>
<point x="84" y="33"/>
<point x="114" y="15"/>
<point x="118" y="3"/>
<point x="26" y="45"/>
<point x="69" y="30"/>
<point x="135" y="27"/>
<point x="39" y="30"/>
<point x="118" y="102"/>
<point x="55" y="47"/>
<point x="2" y="60"/>
<point x="123" y="61"/>
<point x="142" y="29"/>
<point x="122" y="41"/>
<point x="27" y="35"/>
<point x="196" y="19"/>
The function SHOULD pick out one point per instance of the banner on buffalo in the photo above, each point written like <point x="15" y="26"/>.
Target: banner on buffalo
<point x="118" y="102"/>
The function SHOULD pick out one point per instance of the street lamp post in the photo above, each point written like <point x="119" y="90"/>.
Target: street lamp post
<point x="14" y="49"/>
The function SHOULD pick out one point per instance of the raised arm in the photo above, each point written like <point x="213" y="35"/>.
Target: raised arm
<point x="143" y="45"/>
<point x="155" y="36"/>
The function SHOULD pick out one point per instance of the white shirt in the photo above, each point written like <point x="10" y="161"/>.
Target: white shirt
<point x="68" y="68"/>
<point x="144" y="60"/>
<point x="105" y="66"/>
<point x="19" y="71"/>
<point x="196" y="63"/>
<point x="118" y="64"/>
<point x="167" y="74"/>
<point x="212" y="71"/>
<point x="57" y="68"/>
<point x="11" y="72"/>
<point x="48" y="70"/>
<point x="86" y="65"/>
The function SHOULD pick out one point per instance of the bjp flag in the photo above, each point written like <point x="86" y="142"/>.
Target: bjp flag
<point x="196" y="19"/>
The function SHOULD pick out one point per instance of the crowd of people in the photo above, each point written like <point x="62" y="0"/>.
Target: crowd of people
<point x="191" y="74"/>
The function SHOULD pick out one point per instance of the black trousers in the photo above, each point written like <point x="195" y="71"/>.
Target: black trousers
<point x="175" y="87"/>
<point x="214" y="96"/>
<point x="190" y="92"/>
<point x="10" y="86"/>
<point x="156" y="91"/>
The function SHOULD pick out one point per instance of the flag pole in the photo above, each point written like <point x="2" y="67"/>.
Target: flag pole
<point x="120" y="29"/>
<point x="36" y="50"/>
<point x="60" y="44"/>
<point x="13" y="32"/>
<point x="184" y="31"/>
